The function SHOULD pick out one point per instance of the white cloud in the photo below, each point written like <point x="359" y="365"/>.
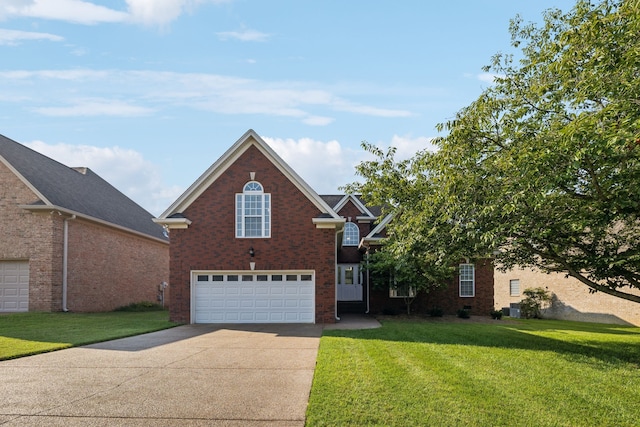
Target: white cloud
<point x="162" y="12"/>
<point x="14" y="37"/>
<point x="95" y="107"/>
<point x="149" y="91"/>
<point x="369" y="110"/>
<point x="125" y="169"/>
<point x="325" y="166"/>
<point x="407" y="146"/>
<point x="77" y="11"/>
<point x="489" y="77"/>
<point x="244" y="35"/>
<point x="147" y="12"/>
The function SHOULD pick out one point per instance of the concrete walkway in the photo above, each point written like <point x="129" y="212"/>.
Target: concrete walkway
<point x="195" y="375"/>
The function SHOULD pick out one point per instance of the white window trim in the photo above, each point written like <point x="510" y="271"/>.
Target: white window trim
<point x="473" y="280"/>
<point x="265" y="214"/>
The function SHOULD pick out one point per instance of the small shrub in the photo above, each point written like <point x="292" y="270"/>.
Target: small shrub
<point x="496" y="314"/>
<point x="463" y="313"/>
<point x="389" y="312"/>
<point x="436" y="312"/>
<point x="536" y="299"/>
<point x="141" y="306"/>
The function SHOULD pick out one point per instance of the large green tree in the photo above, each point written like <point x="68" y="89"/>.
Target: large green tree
<point x="543" y="169"/>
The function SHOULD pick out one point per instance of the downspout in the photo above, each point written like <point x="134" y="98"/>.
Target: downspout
<point x="65" y="259"/>
<point x="335" y="275"/>
<point x="368" y="278"/>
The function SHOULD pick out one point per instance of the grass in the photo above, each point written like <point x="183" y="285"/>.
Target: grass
<point x="503" y="373"/>
<point x="24" y="334"/>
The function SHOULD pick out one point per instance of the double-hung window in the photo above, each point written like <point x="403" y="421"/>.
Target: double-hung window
<point x="467" y="278"/>
<point x="253" y="211"/>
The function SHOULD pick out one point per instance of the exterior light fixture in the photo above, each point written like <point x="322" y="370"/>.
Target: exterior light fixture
<point x="252" y="253"/>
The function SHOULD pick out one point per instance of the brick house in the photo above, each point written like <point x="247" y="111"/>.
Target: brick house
<point x="570" y="298"/>
<point x="251" y="242"/>
<point x="71" y="241"/>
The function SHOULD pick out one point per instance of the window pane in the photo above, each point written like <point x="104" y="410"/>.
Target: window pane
<point x="292" y="277"/>
<point x="305" y="277"/>
<point x="217" y="278"/>
<point x="514" y="287"/>
<point x="467" y="280"/>
<point x="232" y="278"/>
<point x="351" y="236"/>
<point x="247" y="277"/>
<point x="238" y="215"/>
<point x="262" y="277"/>
<point x="252" y="227"/>
<point x="276" y="277"/>
<point x="203" y="278"/>
<point x="348" y="276"/>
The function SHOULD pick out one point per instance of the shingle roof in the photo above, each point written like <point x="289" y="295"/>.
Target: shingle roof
<point x="333" y="199"/>
<point x="77" y="189"/>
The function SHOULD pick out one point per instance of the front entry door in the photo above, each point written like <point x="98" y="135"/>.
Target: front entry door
<point x="349" y="283"/>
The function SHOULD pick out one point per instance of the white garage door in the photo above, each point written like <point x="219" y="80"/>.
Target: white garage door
<point x="14" y="286"/>
<point x="253" y="297"/>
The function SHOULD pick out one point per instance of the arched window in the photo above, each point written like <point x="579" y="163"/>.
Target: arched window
<point x="253" y="211"/>
<point x="351" y="236"/>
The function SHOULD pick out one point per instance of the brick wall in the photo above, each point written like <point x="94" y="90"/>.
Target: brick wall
<point x="109" y="268"/>
<point x="30" y="237"/>
<point x="571" y="298"/>
<point x="210" y="243"/>
<point x="446" y="298"/>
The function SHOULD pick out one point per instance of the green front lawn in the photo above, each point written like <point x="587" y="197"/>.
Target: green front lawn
<point x="22" y="334"/>
<point x="503" y="373"/>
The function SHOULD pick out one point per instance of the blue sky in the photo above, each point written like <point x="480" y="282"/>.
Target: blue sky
<point x="149" y="93"/>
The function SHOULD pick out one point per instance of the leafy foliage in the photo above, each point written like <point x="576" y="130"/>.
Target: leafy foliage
<point x="410" y="273"/>
<point x="535" y="300"/>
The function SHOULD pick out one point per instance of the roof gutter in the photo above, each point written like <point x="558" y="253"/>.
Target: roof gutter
<point x="64" y="211"/>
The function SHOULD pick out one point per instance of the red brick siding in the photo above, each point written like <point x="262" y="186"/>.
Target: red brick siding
<point x="448" y="299"/>
<point x="108" y="268"/>
<point x="210" y="243"/>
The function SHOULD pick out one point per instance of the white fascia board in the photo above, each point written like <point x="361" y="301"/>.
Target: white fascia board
<point x="378" y="229"/>
<point x="72" y="213"/>
<point x="228" y="158"/>
<point x="337" y="223"/>
<point x="172" y="223"/>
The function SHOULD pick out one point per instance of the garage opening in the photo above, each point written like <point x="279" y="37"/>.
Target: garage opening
<point x="253" y="297"/>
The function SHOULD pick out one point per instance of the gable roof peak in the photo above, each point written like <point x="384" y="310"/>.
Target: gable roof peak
<point x="248" y="139"/>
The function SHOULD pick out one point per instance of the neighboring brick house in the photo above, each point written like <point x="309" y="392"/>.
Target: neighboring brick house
<point x="251" y="242"/>
<point x="71" y="241"/>
<point x="571" y="299"/>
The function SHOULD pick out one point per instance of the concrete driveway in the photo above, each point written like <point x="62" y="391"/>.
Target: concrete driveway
<point x="196" y="375"/>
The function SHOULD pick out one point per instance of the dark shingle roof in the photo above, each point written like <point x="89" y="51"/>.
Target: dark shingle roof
<point x="333" y="199"/>
<point x="79" y="190"/>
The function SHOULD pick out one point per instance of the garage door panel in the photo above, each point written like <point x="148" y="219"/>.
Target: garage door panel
<point x="14" y="286"/>
<point x="255" y="298"/>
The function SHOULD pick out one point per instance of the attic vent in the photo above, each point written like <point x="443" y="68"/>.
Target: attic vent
<point x="82" y="170"/>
